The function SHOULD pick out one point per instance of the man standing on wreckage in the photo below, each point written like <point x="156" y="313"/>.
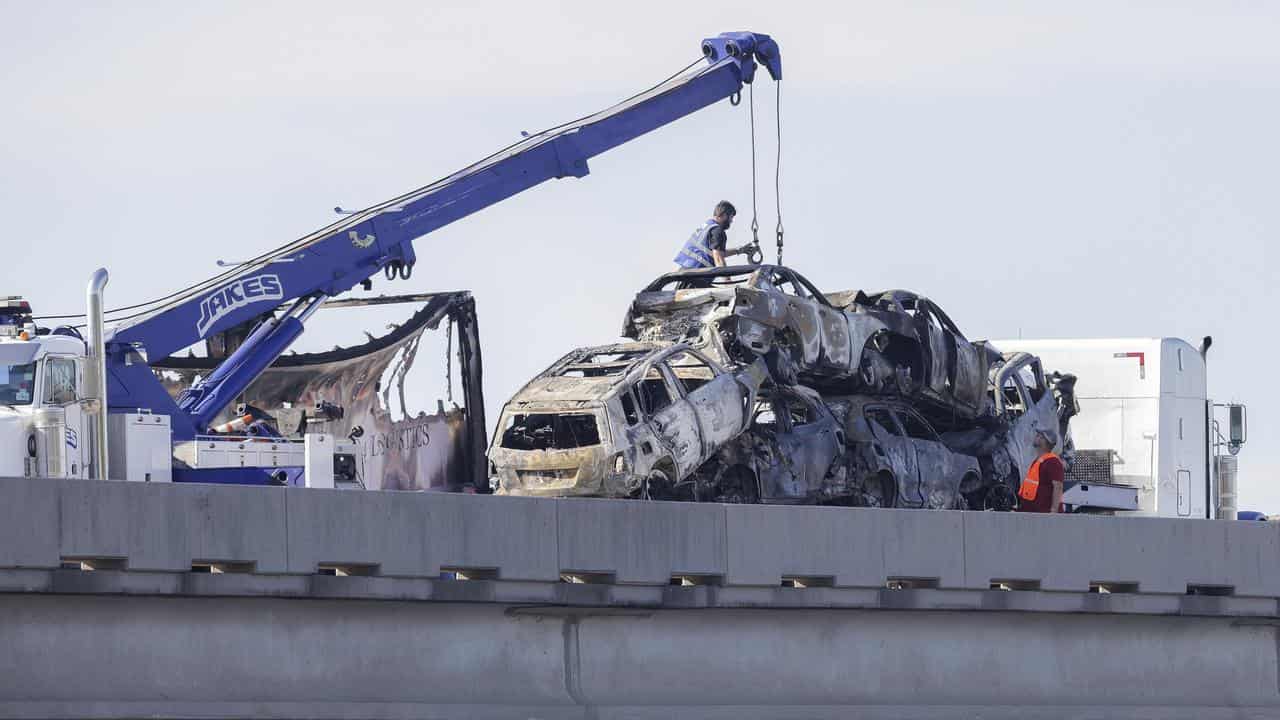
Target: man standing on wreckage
<point x="707" y="247"/>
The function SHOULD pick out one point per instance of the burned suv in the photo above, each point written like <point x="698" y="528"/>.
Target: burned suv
<point x="892" y="343"/>
<point x="630" y="420"/>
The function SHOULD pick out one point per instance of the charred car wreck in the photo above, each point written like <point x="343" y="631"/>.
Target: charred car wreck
<point x="846" y="398"/>
<point x="894" y="342"/>
<point x="632" y="420"/>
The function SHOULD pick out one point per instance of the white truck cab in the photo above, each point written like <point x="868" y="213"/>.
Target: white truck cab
<point x="41" y="405"/>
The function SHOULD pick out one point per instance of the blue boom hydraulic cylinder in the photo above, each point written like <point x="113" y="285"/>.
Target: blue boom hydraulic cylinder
<point x="334" y="259"/>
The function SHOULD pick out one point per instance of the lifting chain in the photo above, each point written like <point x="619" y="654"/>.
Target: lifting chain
<point x="754" y="256"/>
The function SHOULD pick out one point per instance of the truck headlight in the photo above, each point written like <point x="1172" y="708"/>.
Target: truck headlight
<point x="31" y="445"/>
<point x="620" y="463"/>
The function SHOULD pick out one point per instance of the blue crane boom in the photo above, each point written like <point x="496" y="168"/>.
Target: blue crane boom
<point x="334" y="259"/>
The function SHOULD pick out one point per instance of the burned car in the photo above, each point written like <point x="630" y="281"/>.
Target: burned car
<point x="629" y="420"/>
<point x="739" y="313"/>
<point x="793" y="452"/>
<point x="923" y="353"/>
<point x="1024" y="399"/>
<point x="894" y="342"/>
<point x="896" y="458"/>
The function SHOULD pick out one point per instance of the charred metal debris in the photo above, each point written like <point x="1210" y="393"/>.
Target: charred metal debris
<point x="358" y="392"/>
<point x="747" y="384"/>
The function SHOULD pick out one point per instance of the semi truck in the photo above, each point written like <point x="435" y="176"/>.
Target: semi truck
<point x="1149" y="440"/>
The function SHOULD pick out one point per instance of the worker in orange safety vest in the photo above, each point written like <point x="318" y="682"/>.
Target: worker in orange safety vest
<point x="1041" y="490"/>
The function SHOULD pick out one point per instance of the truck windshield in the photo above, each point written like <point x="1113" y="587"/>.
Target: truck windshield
<point x="17" y="384"/>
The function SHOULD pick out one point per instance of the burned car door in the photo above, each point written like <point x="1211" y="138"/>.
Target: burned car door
<point x="815" y="442"/>
<point x="938" y="351"/>
<point x="1013" y="401"/>
<point x="837" y="354"/>
<point x="673" y="419"/>
<point x="774" y="460"/>
<point x="717" y="400"/>
<point x="938" y="474"/>
<point x="803" y="319"/>
<point x="643" y="445"/>
<point x="895" y="449"/>
<point x="965" y="365"/>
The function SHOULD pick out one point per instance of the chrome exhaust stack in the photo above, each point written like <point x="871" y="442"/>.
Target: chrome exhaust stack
<point x="96" y="372"/>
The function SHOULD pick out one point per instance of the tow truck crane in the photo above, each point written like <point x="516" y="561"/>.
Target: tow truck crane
<point x="91" y="406"/>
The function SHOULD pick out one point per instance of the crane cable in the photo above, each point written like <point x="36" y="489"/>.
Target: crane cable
<point x="777" y="167"/>
<point x="755" y="224"/>
<point x="777" y="171"/>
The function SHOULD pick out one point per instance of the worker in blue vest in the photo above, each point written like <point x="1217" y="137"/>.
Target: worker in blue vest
<point x="707" y="247"/>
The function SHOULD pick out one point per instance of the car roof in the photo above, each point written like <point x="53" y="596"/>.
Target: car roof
<point x="700" y="273"/>
<point x="571" y="379"/>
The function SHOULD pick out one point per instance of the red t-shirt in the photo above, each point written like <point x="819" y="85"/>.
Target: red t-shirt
<point x="1051" y="471"/>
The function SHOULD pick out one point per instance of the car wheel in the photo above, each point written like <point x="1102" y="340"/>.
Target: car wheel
<point x="738" y="486"/>
<point x="657" y="485"/>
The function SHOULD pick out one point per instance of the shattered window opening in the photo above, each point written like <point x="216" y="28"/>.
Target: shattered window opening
<point x="882" y="418"/>
<point x="801" y="413"/>
<point x="653" y="393"/>
<point x="550" y="431"/>
<point x="629" y="408"/>
<point x="784" y="283"/>
<point x="765" y="418"/>
<point x="917" y="428"/>
<point x="1033" y="381"/>
<point x="691" y="371"/>
<point x="1014" y="395"/>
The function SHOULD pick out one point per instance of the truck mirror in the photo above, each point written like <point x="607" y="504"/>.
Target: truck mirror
<point x="1238" y="426"/>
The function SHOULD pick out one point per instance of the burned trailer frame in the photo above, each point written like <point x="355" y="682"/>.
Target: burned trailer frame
<point x="355" y="373"/>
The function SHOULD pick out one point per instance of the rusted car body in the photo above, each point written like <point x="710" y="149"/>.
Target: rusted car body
<point x="897" y="459"/>
<point x="620" y="421"/>
<point x="793" y="453"/>
<point x="894" y="342"/>
<point x="1024" y="399"/>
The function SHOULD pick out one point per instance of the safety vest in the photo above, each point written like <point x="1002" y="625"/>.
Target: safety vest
<point x="1031" y="485"/>
<point x="696" y="252"/>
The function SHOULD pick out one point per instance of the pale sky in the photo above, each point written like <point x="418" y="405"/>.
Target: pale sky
<point x="1074" y="170"/>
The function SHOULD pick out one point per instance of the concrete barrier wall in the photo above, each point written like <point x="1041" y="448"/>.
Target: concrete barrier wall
<point x="67" y="656"/>
<point x="294" y="532"/>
